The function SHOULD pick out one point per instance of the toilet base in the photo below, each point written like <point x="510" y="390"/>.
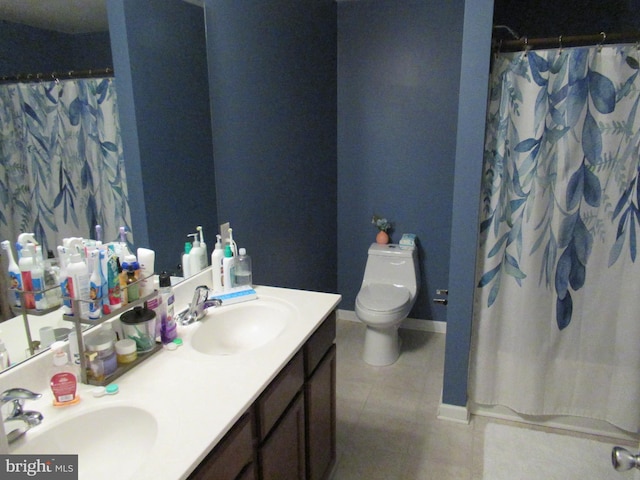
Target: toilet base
<point x="381" y="346"/>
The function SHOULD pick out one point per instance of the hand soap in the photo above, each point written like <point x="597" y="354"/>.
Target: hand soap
<point x="62" y="380"/>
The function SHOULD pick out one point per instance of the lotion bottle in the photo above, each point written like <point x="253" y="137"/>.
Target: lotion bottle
<point x="62" y="378"/>
<point x="216" y="264"/>
<point x="186" y="268"/>
<point x="78" y="283"/>
<point x="196" y="256"/>
<point x="228" y="264"/>
<point x="146" y="259"/>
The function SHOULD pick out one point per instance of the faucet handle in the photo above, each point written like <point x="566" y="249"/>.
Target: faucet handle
<point x="18" y="394"/>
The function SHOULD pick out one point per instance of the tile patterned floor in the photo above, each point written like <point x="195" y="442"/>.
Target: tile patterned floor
<point x="386" y="416"/>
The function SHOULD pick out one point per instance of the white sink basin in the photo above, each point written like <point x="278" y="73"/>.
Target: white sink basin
<point x="108" y="441"/>
<point x="242" y="327"/>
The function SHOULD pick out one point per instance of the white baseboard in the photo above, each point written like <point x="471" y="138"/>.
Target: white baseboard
<point x="408" y="323"/>
<point x="453" y="413"/>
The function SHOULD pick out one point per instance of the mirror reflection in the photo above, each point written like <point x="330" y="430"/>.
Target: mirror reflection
<point x="66" y="173"/>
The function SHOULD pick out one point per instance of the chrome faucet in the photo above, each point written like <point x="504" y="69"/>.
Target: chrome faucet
<point x="25" y="419"/>
<point x="197" y="307"/>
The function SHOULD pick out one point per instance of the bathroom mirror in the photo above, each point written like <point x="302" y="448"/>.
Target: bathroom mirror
<point x="60" y="7"/>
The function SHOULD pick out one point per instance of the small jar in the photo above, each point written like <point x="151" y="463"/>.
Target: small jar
<point x="126" y="351"/>
<point x="102" y="345"/>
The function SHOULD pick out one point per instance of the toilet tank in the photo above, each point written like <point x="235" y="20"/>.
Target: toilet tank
<point x="392" y="264"/>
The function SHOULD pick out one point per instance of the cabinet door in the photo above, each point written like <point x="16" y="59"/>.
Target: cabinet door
<point x="282" y="456"/>
<point x="230" y="456"/>
<point x="320" y="403"/>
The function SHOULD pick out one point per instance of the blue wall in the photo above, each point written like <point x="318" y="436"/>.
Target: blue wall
<point x="33" y="50"/>
<point x="273" y="97"/>
<point x="398" y="80"/>
<point x="161" y="73"/>
<point x="474" y="78"/>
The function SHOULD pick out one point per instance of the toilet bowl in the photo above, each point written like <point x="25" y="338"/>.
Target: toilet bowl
<point x="387" y="294"/>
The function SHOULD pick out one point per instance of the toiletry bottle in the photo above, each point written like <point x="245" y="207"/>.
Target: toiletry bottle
<point x="195" y="256"/>
<point x="122" y="280"/>
<point x="15" y="279"/>
<point x="186" y="269"/>
<point x="62" y="378"/>
<point x="95" y="287"/>
<point x="78" y="283"/>
<point x="228" y="264"/>
<point x="216" y="264"/>
<point x="168" y="327"/>
<point x="4" y="356"/>
<point x="205" y="254"/>
<point x="32" y="278"/>
<point x="133" y="289"/>
<point x="98" y="235"/>
<point x="146" y="259"/>
<point x="64" y="281"/>
<point x="243" y="275"/>
<point x="156" y="303"/>
<point x="122" y="249"/>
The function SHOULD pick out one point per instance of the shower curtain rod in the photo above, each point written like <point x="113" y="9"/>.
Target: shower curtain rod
<point x="602" y="38"/>
<point x="44" y="77"/>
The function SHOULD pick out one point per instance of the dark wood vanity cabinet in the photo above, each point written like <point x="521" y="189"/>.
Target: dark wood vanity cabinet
<point x="291" y="429"/>
<point x="233" y="457"/>
<point x="320" y="400"/>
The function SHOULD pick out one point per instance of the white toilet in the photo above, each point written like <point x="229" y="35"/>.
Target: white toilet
<point x="387" y="294"/>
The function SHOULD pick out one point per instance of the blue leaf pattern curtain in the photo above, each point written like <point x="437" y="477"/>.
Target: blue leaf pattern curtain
<point x="556" y="316"/>
<point x="61" y="162"/>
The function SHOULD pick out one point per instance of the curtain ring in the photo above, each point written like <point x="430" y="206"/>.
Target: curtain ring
<point x="560" y="43"/>
<point x="525" y="39"/>
<point x="604" y="39"/>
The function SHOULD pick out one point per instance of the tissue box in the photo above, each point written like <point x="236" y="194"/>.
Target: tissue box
<point x="408" y="240"/>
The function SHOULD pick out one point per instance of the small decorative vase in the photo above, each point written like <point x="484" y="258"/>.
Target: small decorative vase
<point x="382" y="237"/>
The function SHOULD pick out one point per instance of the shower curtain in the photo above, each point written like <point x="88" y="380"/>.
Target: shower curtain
<point x="61" y="162"/>
<point x="556" y="327"/>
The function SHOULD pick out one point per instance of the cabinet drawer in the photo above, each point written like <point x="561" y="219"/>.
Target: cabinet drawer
<point x="230" y="456"/>
<point x="319" y="343"/>
<point x="274" y="400"/>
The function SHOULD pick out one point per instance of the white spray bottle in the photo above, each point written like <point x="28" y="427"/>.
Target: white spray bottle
<point x="15" y="278"/>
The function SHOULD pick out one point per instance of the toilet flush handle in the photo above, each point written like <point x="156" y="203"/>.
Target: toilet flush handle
<point x="441" y="301"/>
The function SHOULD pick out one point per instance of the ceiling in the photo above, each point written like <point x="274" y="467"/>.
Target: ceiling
<point x="67" y="16"/>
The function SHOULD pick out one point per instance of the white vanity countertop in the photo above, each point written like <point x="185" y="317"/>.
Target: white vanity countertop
<point x="195" y="398"/>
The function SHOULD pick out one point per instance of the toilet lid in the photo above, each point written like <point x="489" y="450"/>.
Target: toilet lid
<point x="383" y="298"/>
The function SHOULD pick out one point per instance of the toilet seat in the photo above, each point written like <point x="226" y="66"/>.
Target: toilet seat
<point x="377" y="297"/>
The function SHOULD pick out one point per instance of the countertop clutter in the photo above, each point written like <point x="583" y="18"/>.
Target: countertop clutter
<point x="194" y="398"/>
